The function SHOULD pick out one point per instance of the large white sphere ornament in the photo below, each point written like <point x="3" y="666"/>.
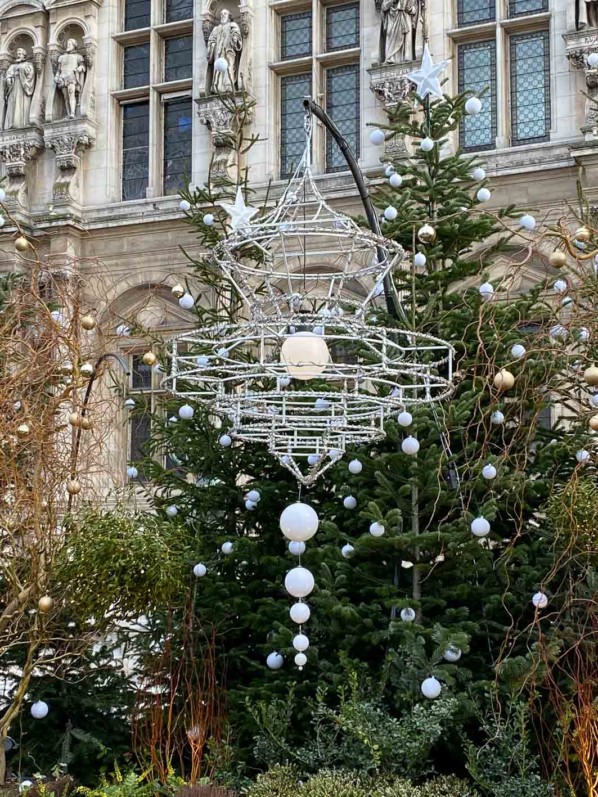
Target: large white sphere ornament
<point x="350" y="502"/>
<point x="473" y="106"/>
<point x="299" y="522"/>
<point x="528" y="222"/>
<point x="583" y="456"/>
<point x="296" y="548"/>
<point x="390" y="213"/>
<point x="39" y="710"/>
<point x="497" y="418"/>
<point x="355" y="467"/>
<point x="186" y="302"/>
<point x="377" y="137"/>
<point x="377" y="529"/>
<point x="518" y="351"/>
<point x="395" y="180"/>
<point x="227" y="548"/>
<point x="221" y="65"/>
<point x="484" y="195"/>
<point x="301" y="660"/>
<point x="452" y="654"/>
<point x="300" y="613"/>
<point x="419" y="259"/>
<point x="593" y="60"/>
<point x="200" y="570"/>
<point x="253" y="495"/>
<point x="186" y="412"/>
<point x="408" y="614"/>
<point x="486" y="291"/>
<point x="560" y="286"/>
<point x="405" y="418"/>
<point x="301" y="643"/>
<point x="172" y="511"/>
<point x="478" y="174"/>
<point x="299" y="582"/>
<point x="208" y="219"/>
<point x="410" y="446"/>
<point x="427" y="144"/>
<point x="305" y="355"/>
<point x="480" y="527"/>
<point x="431" y="688"/>
<point x="489" y="472"/>
<point x="275" y="660"/>
<point x="132" y="472"/>
<point x="250" y="505"/>
<point x="225" y="440"/>
<point x="185" y="205"/>
<point x="347" y="551"/>
<point x="540" y="600"/>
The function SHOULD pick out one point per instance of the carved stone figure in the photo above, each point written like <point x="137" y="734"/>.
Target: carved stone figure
<point x="225" y="41"/>
<point x="587" y="14"/>
<point x="397" y="31"/>
<point x="70" y="77"/>
<point x="19" y="86"/>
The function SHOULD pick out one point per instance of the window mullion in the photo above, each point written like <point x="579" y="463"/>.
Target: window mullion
<point x="502" y="90"/>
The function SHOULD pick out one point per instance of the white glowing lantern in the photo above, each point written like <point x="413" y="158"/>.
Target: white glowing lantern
<point x="296" y="548"/>
<point x="299" y="582"/>
<point x="480" y="527"/>
<point x="39" y="710"/>
<point x="300" y="613"/>
<point x="377" y="529"/>
<point x="408" y="615"/>
<point x="301" y="643"/>
<point x="299" y="522"/>
<point x="305" y="355"/>
<point x="431" y="688"/>
<point x="200" y="570"/>
<point x="275" y="660"/>
<point x="540" y="600"/>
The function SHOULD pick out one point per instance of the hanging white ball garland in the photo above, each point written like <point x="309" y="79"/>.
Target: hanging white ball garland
<point x="390" y="213"/>
<point x="452" y="654"/>
<point x="172" y="511"/>
<point x="208" y="219"/>
<point x="480" y="527"/>
<point x="518" y="351"/>
<point x="473" y="106"/>
<point x="186" y="412"/>
<point x="185" y="205"/>
<point x="301" y="643"/>
<point x="355" y="467"/>
<point x="405" y="418"/>
<point x="478" y="174"/>
<point x="427" y="144"/>
<point x="227" y="548"/>
<point x="39" y="710"/>
<point x="583" y="456"/>
<point x="489" y="472"/>
<point x="299" y="582"/>
<point x="486" y="291"/>
<point x="275" y="660"/>
<point x="419" y="259"/>
<point x="296" y="548"/>
<point x="225" y="440"/>
<point x="350" y="502"/>
<point x="200" y="570"/>
<point x="395" y="180"/>
<point x="300" y="613"/>
<point x="410" y="446"/>
<point x="301" y="660"/>
<point x="540" y="600"/>
<point x="299" y="522"/>
<point x="528" y="222"/>
<point x="253" y="495"/>
<point x="484" y="195"/>
<point x="347" y="551"/>
<point x="250" y="505"/>
<point x="377" y="137"/>
<point x="221" y="65"/>
<point x="408" y="614"/>
<point x="431" y="688"/>
<point x="377" y="529"/>
<point x="186" y="302"/>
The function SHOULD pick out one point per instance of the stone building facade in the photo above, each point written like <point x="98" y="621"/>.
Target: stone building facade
<point x="107" y="110"/>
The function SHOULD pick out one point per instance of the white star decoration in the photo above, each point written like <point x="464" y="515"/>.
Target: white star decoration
<point x="240" y="213"/>
<point x="426" y="77"/>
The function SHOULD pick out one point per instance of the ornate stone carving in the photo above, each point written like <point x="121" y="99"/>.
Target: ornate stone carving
<point x="18" y="148"/>
<point x="68" y="140"/>
<point x="223" y="118"/>
<point x="19" y="86"/>
<point x="69" y="77"/>
<point x="579" y="46"/>
<point x="586" y="15"/>
<point x="390" y="85"/>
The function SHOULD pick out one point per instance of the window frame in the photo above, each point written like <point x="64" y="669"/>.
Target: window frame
<point x="513" y="38"/>
<point x="462" y="48"/>
<point x="460" y="13"/>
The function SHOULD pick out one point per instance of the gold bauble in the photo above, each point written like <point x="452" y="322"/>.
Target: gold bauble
<point x="88" y="322"/>
<point x="504" y="380"/>
<point x="21" y="244"/>
<point x="86" y="370"/>
<point x="74" y="419"/>
<point x="23" y="431"/>
<point x="66" y="368"/>
<point x="591" y="375"/>
<point x="73" y="487"/>
<point x="594" y="423"/>
<point x="85" y="422"/>
<point x="45" y="604"/>
<point x="178" y="291"/>
<point x="582" y="234"/>
<point x="427" y="234"/>
<point x="149" y="358"/>
<point x="557" y="259"/>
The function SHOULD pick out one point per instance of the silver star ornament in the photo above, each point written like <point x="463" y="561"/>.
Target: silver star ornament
<point x="240" y="213"/>
<point x="426" y="77"/>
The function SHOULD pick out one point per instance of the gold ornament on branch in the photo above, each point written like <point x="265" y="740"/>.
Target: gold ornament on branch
<point x="594" y="423"/>
<point x="426" y="234"/>
<point x="85" y="422"/>
<point x="149" y="358"/>
<point x="86" y="370"/>
<point x="590" y="375"/>
<point x="23" y="431"/>
<point x="557" y="259"/>
<point x="73" y="487"/>
<point x="21" y="244"/>
<point x="88" y="322"/>
<point x="582" y="234"/>
<point x="45" y="604"/>
<point x="504" y="380"/>
<point x="66" y="368"/>
<point x="178" y="291"/>
<point x="74" y="419"/>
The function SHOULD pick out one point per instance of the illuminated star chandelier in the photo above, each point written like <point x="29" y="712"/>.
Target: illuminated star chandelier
<point x="310" y="371"/>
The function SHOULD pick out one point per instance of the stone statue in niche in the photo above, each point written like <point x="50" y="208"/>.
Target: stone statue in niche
<point x="398" y="30"/>
<point x="70" y="77"/>
<point x="19" y="85"/>
<point x="225" y="41"/>
<point x="587" y="14"/>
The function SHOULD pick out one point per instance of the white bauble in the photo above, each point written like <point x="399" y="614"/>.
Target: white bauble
<point x="296" y="548"/>
<point x="518" y="351"/>
<point x="473" y="106"/>
<point x="355" y="467"/>
<point x="185" y="205"/>
<point x="489" y="472"/>
<point x="405" y="418"/>
<point x="419" y="259"/>
<point x="221" y="65"/>
<point x="301" y="643"/>
<point x="390" y="213"/>
<point x="300" y="660"/>
<point x="377" y="529"/>
<point x="284" y="381"/>
<point x="335" y="453"/>
<point x="186" y="302"/>
<point x="540" y="600"/>
<point x="132" y="472"/>
<point x="395" y="180"/>
<point x="253" y="495"/>
<point x="225" y="440"/>
<point x="497" y="418"/>
<point x="583" y="456"/>
<point x="24" y="785"/>
<point x="39" y="710"/>
<point x="250" y="505"/>
<point x="123" y="331"/>
<point x="300" y="613"/>
<point x="408" y="615"/>
<point x="528" y="222"/>
<point x="305" y="355"/>
<point x="321" y="404"/>
<point x="299" y="582"/>
<point x="560" y="286"/>
<point x="223" y="352"/>
<point x="583" y="334"/>
<point x="313" y="459"/>
<point x="410" y="446"/>
<point x="186" y="412"/>
<point x="567" y="301"/>
<point x="480" y="527"/>
<point x="350" y="502"/>
<point x="130" y="403"/>
<point x="347" y="551"/>
<point x="200" y="570"/>
<point x="275" y="660"/>
<point x="427" y="144"/>
<point x="299" y="522"/>
<point x="431" y="688"/>
<point x="486" y="291"/>
<point x="2" y="194"/>
<point x="484" y="195"/>
<point x="452" y="654"/>
<point x="478" y="174"/>
<point x="594" y="400"/>
<point x="203" y="360"/>
<point x="227" y="548"/>
<point x="172" y="511"/>
<point x="208" y="219"/>
<point x="377" y="137"/>
<point x="558" y="332"/>
<point x="593" y="60"/>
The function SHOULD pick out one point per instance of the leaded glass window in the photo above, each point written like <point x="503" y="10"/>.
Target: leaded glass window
<point x="141" y="374"/>
<point x="473" y="12"/>
<point x="178" y="58"/>
<point x="477" y="73"/>
<point x="176" y="10"/>
<point x="530" y="87"/>
<point x="293" y="88"/>
<point x="295" y="35"/>
<point x="519" y="7"/>
<point x="135" y="163"/>
<point x="177" y="144"/>
<point x="342" y="26"/>
<point x="342" y="103"/>
<point x="140" y="431"/>
<point x="136" y="66"/>
<point x="137" y="14"/>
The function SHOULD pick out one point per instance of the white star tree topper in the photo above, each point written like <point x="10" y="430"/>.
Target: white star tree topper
<point x="426" y="77"/>
<point x="240" y="213"/>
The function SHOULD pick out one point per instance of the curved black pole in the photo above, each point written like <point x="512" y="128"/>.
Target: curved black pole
<point x="370" y="212"/>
